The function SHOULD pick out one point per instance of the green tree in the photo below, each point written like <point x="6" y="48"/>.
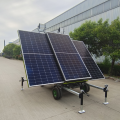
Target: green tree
<point x="88" y="34"/>
<point x="101" y="38"/>
<point x="16" y="50"/>
<point x="102" y="33"/>
<point x="112" y="48"/>
<point x="8" y="50"/>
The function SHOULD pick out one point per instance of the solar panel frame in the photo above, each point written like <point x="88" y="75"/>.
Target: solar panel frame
<point x="25" y="64"/>
<point x="69" y="53"/>
<point x="23" y="60"/>
<point x="90" y="57"/>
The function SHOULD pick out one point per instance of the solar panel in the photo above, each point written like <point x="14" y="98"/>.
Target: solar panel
<point x="40" y="63"/>
<point x="61" y="43"/>
<point x="88" y="60"/>
<point x="69" y="60"/>
<point x="35" y="43"/>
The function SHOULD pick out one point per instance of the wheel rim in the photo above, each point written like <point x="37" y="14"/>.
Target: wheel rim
<point x="54" y="93"/>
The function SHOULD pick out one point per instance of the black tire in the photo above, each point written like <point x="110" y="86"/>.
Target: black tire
<point x="86" y="88"/>
<point x="60" y="90"/>
<point x="56" y="93"/>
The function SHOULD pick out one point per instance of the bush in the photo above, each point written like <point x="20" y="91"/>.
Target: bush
<point x="16" y="57"/>
<point x="8" y="50"/>
<point x="3" y="55"/>
<point x="6" y="56"/>
<point x="16" y="50"/>
<point x="105" y="69"/>
<point x="20" y="58"/>
<point x="116" y="70"/>
<point x="106" y="61"/>
<point x="12" y="51"/>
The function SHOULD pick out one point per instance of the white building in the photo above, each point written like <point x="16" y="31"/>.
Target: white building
<point x="87" y="10"/>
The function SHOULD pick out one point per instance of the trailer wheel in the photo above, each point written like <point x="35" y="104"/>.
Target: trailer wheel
<point x="86" y="88"/>
<point x="56" y="93"/>
<point x="60" y="93"/>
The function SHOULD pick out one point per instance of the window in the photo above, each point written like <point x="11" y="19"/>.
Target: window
<point x="97" y="10"/>
<point x="65" y="22"/>
<point x="94" y="11"/>
<point x="62" y="24"/>
<point x="106" y="6"/>
<point x="114" y="3"/>
<point x="87" y="14"/>
<point x="76" y="19"/>
<point x="72" y="20"/>
<point x="100" y="9"/>
<point x="68" y="21"/>
<point x="80" y="17"/>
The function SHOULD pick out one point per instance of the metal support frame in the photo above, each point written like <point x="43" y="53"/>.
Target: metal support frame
<point x="22" y="80"/>
<point x="80" y="95"/>
<point x="105" y="89"/>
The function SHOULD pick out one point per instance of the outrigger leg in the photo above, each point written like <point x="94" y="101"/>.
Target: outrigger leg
<point x="22" y="80"/>
<point x="80" y="95"/>
<point x="105" y="89"/>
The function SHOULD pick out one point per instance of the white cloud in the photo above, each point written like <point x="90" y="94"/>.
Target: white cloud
<point x="27" y="14"/>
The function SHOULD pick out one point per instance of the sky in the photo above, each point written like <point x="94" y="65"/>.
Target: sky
<point x="27" y="14"/>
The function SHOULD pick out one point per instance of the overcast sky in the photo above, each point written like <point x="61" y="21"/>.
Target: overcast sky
<point x="27" y="14"/>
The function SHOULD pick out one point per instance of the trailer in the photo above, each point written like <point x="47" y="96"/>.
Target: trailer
<point x="52" y="58"/>
<point x="68" y="86"/>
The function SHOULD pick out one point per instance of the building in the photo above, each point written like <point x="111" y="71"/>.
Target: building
<point x="87" y="10"/>
<point x="16" y="42"/>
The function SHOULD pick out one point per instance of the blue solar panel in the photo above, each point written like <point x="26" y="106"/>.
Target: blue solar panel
<point x="88" y="60"/>
<point x="52" y="58"/>
<point x="68" y="58"/>
<point x="42" y="69"/>
<point x="81" y="49"/>
<point x="35" y="42"/>
<point x="61" y="43"/>
<point x="72" y="66"/>
<point x="40" y="62"/>
<point x="93" y="68"/>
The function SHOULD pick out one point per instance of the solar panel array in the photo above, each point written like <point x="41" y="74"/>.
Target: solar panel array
<point x="68" y="58"/>
<point x="89" y="62"/>
<point x="53" y="58"/>
<point x="41" y="66"/>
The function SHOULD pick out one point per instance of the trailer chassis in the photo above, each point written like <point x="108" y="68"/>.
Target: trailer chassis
<point x="68" y="86"/>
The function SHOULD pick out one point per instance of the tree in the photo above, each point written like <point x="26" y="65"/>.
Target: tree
<point x="16" y="50"/>
<point x="88" y="34"/>
<point x="102" y="33"/>
<point x="101" y="38"/>
<point x="112" y="49"/>
<point x="8" y="50"/>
